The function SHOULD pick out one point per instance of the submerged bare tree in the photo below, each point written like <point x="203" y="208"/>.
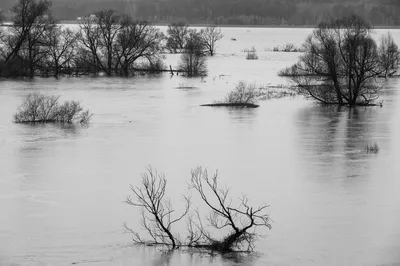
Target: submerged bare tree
<point x="60" y="50"/>
<point x="340" y="64"/>
<point x="137" y="41"/>
<point x="23" y="46"/>
<point x="157" y="211"/>
<point x="211" y="35"/>
<point x="178" y="34"/>
<point x="193" y="61"/>
<point x="389" y="55"/>
<point x="241" y="220"/>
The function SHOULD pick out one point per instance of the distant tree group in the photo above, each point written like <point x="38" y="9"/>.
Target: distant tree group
<point x="342" y="61"/>
<point x="244" y="12"/>
<point x="106" y="42"/>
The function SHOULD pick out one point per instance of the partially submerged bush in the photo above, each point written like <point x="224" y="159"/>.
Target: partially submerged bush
<point x="39" y="108"/>
<point x="252" y="54"/>
<point x="372" y="147"/>
<point x="243" y="93"/>
<point x="288" y="48"/>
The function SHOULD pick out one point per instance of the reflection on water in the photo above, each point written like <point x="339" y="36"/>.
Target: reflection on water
<point x="62" y="187"/>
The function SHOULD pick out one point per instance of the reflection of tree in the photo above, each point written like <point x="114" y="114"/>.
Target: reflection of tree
<point x="335" y="138"/>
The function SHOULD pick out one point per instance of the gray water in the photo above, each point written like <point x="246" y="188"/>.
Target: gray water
<point x="62" y="187"/>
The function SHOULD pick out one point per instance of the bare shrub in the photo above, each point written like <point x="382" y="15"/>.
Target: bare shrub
<point x="39" y="108"/>
<point x="372" y="147"/>
<point x="243" y="93"/>
<point x="252" y="54"/>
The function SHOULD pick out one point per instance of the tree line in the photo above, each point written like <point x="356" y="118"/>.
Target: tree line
<point x="245" y="12"/>
<point x="106" y="42"/>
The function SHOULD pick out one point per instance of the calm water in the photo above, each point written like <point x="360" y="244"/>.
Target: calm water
<point x="62" y="187"/>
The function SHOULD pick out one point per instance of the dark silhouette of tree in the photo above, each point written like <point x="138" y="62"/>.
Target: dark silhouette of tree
<point x="194" y="61"/>
<point x="151" y="198"/>
<point x="25" y="41"/>
<point x="389" y="55"/>
<point x="89" y="39"/>
<point x="136" y="41"/>
<point x="60" y="44"/>
<point x="340" y="64"/>
<point x="178" y="33"/>
<point x="109" y="25"/>
<point x="240" y="220"/>
<point x="211" y="35"/>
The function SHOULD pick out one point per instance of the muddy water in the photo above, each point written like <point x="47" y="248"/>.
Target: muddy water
<point x="62" y="187"/>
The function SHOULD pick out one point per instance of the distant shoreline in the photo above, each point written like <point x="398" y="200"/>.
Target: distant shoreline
<point x="75" y="22"/>
<point x="245" y="26"/>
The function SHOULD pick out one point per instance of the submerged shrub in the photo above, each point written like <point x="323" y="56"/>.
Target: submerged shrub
<point x="252" y="54"/>
<point x="372" y="147"/>
<point x="243" y="93"/>
<point x="39" y="108"/>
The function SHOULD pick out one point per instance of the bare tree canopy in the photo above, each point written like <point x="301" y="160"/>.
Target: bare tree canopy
<point x="239" y="221"/>
<point x="211" y="35"/>
<point x="340" y="64"/>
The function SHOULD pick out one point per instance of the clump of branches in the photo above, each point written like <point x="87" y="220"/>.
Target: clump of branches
<point x="239" y="221"/>
<point x="156" y="210"/>
<point x="39" y="108"/>
<point x="252" y="54"/>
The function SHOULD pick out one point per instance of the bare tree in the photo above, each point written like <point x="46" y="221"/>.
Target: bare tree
<point x="178" y="33"/>
<point x="89" y="39"/>
<point x="60" y="50"/>
<point x="24" y="42"/>
<point x="240" y="219"/>
<point x="194" y="61"/>
<point x="389" y="56"/>
<point x="137" y="41"/>
<point x="28" y="16"/>
<point x="109" y="26"/>
<point x="150" y="196"/>
<point x="340" y="64"/>
<point x="211" y="35"/>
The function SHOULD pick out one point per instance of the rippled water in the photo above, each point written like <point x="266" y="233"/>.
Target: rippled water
<point x="62" y="187"/>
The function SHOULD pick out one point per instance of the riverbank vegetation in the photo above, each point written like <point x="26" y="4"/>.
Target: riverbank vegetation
<point x="39" y="108"/>
<point x="237" y="219"/>
<point x="107" y="43"/>
<point x="342" y="62"/>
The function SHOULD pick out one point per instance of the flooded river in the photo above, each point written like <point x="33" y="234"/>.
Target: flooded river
<point x="62" y="188"/>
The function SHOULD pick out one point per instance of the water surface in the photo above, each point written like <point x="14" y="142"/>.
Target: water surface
<point x="62" y="187"/>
